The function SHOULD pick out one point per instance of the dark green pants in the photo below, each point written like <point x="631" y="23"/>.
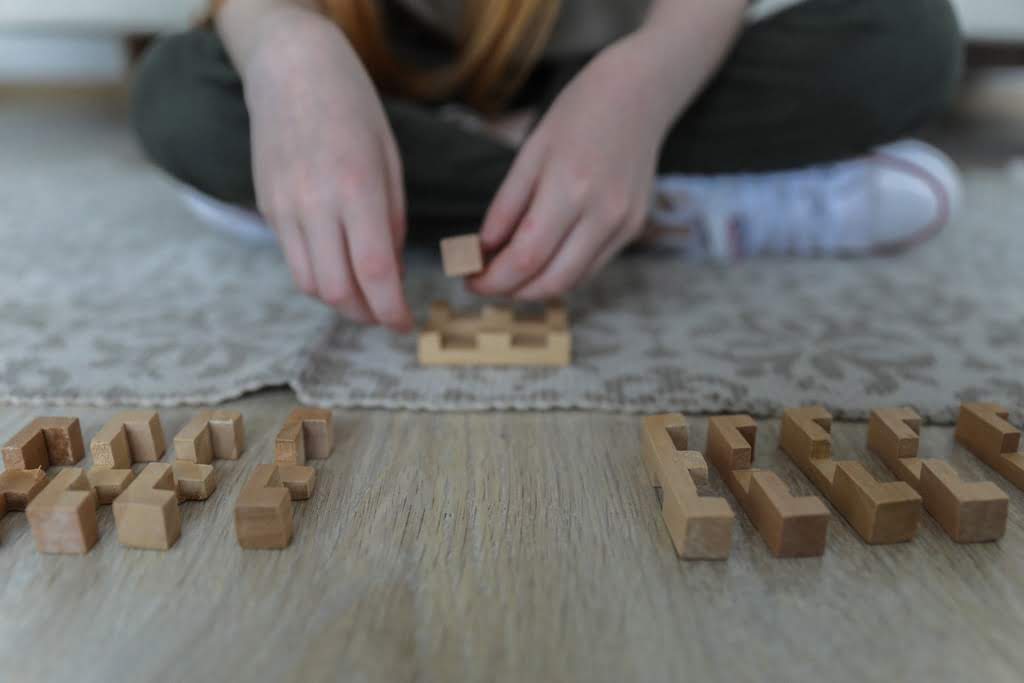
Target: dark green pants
<point x="822" y="81"/>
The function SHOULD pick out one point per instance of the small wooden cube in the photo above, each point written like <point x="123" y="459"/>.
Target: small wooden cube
<point x="298" y="479"/>
<point x="109" y="483"/>
<point x="290" y="445"/>
<point x="193" y="443"/>
<point x="227" y="433"/>
<point x="26" y="450"/>
<point x="63" y="515"/>
<point x="146" y="514"/>
<point x="110" y="447"/>
<point x="194" y="481"/>
<point x="462" y="255"/>
<point x="19" y="487"/>
<point x="263" y="512"/>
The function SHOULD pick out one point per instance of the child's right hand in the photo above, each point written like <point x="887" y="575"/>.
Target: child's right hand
<point x="327" y="171"/>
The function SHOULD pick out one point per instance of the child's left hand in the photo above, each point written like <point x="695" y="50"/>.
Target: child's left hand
<point x="581" y="186"/>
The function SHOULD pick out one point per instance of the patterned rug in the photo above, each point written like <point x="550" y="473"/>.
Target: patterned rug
<point x="111" y="293"/>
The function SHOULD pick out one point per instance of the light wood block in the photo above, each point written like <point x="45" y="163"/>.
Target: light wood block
<point x="969" y="512"/>
<point x="131" y="436"/>
<point x="263" y="511"/>
<point x="193" y="443"/>
<point x="496" y="337"/>
<point x="45" y="441"/>
<point x="307" y="432"/>
<point x="983" y="430"/>
<point x="227" y="434"/>
<point x="63" y="515"/>
<point x="880" y="512"/>
<point x="146" y="514"/>
<point x="700" y="526"/>
<point x="462" y="255"/>
<point x="194" y="481"/>
<point x="109" y="483"/>
<point x="298" y="479"/>
<point x="19" y="487"/>
<point x="791" y="526"/>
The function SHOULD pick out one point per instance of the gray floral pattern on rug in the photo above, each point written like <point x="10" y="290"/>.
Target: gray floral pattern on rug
<point x="111" y="293"/>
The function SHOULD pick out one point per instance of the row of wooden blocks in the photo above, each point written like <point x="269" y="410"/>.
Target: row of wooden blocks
<point x="62" y="511"/>
<point x="701" y="527"/>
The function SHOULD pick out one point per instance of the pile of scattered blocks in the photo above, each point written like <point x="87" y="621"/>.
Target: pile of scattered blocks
<point x="880" y="512"/>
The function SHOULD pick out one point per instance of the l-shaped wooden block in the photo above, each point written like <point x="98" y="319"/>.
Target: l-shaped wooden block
<point x="969" y="512"/>
<point x="880" y="512"/>
<point x="791" y="526"/>
<point x="700" y="526"/>
<point x="146" y="514"/>
<point x="19" y="487"/>
<point x="263" y="511"/>
<point x="132" y="436"/>
<point x="43" y="442"/>
<point x="983" y="430"/>
<point x="63" y="515"/>
<point x="307" y="433"/>
<point x="211" y="434"/>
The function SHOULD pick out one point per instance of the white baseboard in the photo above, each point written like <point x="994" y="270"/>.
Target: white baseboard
<point x="61" y="59"/>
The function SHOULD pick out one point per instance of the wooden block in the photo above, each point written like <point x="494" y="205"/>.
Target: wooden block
<point x="791" y="526"/>
<point x="298" y="479"/>
<point x="496" y="337"/>
<point x="63" y="515"/>
<point x="700" y="526"/>
<point x="63" y="439"/>
<point x="26" y="450"/>
<point x="462" y="255"/>
<point x="306" y="432"/>
<point x="194" y="481"/>
<point x="142" y="440"/>
<point x="194" y="443"/>
<point x="227" y="434"/>
<point x="146" y="514"/>
<point x="110" y="447"/>
<point x="880" y="512"/>
<point x="968" y="512"/>
<point x="19" y="487"/>
<point x="109" y="483"/>
<point x="983" y="430"/>
<point x="263" y="512"/>
<point x="663" y="434"/>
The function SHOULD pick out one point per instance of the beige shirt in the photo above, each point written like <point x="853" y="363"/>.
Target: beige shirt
<point x="584" y="26"/>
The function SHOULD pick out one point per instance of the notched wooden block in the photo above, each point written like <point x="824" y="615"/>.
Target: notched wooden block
<point x="194" y="481"/>
<point x="983" y="430"/>
<point x="109" y="483"/>
<point x="19" y="487"/>
<point x="131" y="436"/>
<point x="495" y="337"/>
<point x="298" y="479"/>
<point x="227" y="434"/>
<point x="700" y="526"/>
<point x="888" y="512"/>
<point x="791" y="526"/>
<point x="462" y="255"/>
<point x="211" y="434"/>
<point x="63" y="515"/>
<point x="43" y="442"/>
<point x="193" y="442"/>
<point x="308" y="432"/>
<point x="968" y="512"/>
<point x="263" y="511"/>
<point x="146" y="514"/>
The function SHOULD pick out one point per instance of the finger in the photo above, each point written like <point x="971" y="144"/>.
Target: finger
<point x="396" y="195"/>
<point x="569" y="265"/>
<point x="334" y="277"/>
<point x="550" y="217"/>
<point x="374" y="260"/>
<point x="296" y="255"/>
<point x="511" y="201"/>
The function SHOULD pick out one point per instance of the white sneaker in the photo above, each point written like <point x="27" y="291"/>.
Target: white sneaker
<point x="899" y="195"/>
<point x="238" y="222"/>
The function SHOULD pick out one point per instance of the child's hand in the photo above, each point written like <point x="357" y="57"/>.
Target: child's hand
<point x="580" y="188"/>
<point x="327" y="171"/>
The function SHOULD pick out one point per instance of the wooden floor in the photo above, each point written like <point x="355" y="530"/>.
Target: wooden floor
<point x="515" y="547"/>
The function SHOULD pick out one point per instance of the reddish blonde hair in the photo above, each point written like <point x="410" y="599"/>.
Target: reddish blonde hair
<point x="498" y="44"/>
